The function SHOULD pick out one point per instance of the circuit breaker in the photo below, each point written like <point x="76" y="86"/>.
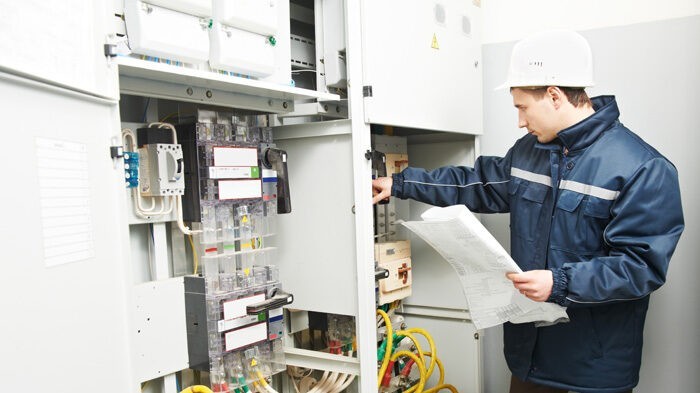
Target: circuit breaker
<point x="161" y="170"/>
<point x="396" y="258"/>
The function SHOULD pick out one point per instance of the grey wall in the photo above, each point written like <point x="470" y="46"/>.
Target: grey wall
<point x="654" y="71"/>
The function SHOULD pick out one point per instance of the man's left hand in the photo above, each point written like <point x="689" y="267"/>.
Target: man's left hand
<point x="535" y="284"/>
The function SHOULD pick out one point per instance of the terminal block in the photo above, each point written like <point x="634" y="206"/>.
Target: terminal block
<point x="396" y="258"/>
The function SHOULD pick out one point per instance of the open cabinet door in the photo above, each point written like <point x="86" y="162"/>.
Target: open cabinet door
<point x="64" y="286"/>
<point x="422" y="60"/>
<point x="60" y="43"/>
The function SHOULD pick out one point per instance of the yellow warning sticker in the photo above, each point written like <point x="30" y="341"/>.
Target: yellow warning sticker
<point x="435" y="45"/>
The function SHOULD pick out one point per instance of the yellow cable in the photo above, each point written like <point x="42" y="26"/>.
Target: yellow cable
<point x="194" y="254"/>
<point x="421" y="354"/>
<point x="389" y="344"/>
<point x="167" y="117"/>
<point x="425" y="334"/>
<point x="261" y="377"/>
<point x="421" y="369"/>
<point x="440" y="368"/>
<point x="197" y="389"/>
<point x="443" y="386"/>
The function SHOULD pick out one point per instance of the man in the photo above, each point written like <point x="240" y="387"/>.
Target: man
<point x="595" y="217"/>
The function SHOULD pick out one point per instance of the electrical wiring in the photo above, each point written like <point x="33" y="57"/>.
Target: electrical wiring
<point x="421" y="368"/>
<point x="194" y="255"/>
<point x="387" y="354"/>
<point x="145" y="110"/>
<point x="266" y="386"/>
<point x="321" y="385"/>
<point x="168" y="116"/>
<point x="441" y="387"/>
<point x="347" y="383"/>
<point x="440" y="384"/>
<point x="431" y="342"/>
<point x="410" y="335"/>
<point x="197" y="389"/>
<point x="139" y="209"/>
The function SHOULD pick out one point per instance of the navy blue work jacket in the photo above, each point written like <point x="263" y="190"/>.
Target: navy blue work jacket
<point x="598" y="207"/>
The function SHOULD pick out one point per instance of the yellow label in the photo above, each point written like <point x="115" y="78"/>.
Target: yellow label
<point x="253" y="362"/>
<point x="246" y="271"/>
<point x="435" y="45"/>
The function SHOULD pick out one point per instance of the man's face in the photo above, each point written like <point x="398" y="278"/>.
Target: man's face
<point x="537" y="115"/>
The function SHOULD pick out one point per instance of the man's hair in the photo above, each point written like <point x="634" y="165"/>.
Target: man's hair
<point x="576" y="95"/>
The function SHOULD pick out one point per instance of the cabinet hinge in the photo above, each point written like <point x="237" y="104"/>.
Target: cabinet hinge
<point x="110" y="50"/>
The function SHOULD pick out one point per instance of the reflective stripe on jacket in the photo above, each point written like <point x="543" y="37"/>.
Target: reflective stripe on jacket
<point x="598" y="207"/>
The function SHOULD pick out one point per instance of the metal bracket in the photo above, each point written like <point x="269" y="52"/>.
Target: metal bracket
<point x="367" y="91"/>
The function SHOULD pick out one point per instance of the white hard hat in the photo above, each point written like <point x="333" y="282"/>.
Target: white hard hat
<point x="552" y="58"/>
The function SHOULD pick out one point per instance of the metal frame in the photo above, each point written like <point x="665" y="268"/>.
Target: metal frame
<point x="366" y="326"/>
<point x="151" y="79"/>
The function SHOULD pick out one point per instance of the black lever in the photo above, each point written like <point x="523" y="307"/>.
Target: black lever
<point x="380" y="273"/>
<point x="278" y="300"/>
<point x="276" y="159"/>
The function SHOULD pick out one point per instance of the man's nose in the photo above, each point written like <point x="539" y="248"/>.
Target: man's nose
<point x="522" y="123"/>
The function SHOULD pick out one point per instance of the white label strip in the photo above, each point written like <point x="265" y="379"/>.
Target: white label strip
<point x="236" y="323"/>
<point x="230" y="172"/>
<point x="65" y="201"/>
<point x="235" y="156"/>
<point x="240" y="189"/>
<point x="275" y="313"/>
<point x="237" y="308"/>
<point x="245" y="336"/>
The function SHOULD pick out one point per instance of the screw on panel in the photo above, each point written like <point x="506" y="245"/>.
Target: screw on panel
<point x="208" y="94"/>
<point x="190" y="91"/>
<point x="285" y="105"/>
<point x="337" y="109"/>
<point x="476" y="336"/>
<point x="325" y="108"/>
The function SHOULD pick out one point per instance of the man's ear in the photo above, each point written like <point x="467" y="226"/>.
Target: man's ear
<point x="556" y="96"/>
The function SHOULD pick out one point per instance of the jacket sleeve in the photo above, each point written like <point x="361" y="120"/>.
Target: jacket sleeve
<point x="483" y="189"/>
<point x="646" y="223"/>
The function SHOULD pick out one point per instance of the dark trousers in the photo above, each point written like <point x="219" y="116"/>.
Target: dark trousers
<point x="518" y="386"/>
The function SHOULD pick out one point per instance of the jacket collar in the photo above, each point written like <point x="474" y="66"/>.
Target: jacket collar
<point x="584" y="133"/>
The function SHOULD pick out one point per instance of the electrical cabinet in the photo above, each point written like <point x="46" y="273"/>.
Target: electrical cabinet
<point x="125" y="276"/>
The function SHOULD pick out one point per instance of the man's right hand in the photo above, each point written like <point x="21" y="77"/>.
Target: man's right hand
<point x="381" y="189"/>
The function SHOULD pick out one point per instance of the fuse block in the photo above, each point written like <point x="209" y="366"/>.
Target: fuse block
<point x="239" y="296"/>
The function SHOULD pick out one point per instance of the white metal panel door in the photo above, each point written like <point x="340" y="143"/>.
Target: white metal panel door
<point x="64" y="286"/>
<point x="423" y="62"/>
<point x="59" y="42"/>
